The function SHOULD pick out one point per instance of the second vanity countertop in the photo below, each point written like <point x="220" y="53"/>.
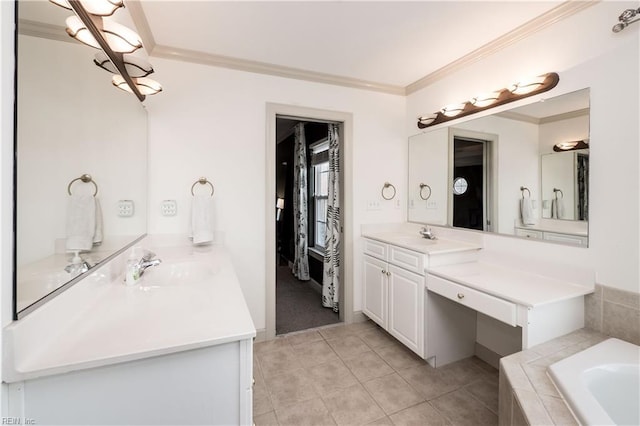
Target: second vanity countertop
<point x="422" y="245"/>
<point x="101" y="321"/>
<point x="521" y="287"/>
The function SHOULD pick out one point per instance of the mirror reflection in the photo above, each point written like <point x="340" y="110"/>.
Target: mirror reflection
<point x="498" y="173"/>
<point x="81" y="158"/>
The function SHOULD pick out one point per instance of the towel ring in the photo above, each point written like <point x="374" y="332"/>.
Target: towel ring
<point x="387" y="185"/>
<point x="555" y="192"/>
<point x="86" y="178"/>
<point x="202" y="181"/>
<point x="422" y="187"/>
<point x="524" y="188"/>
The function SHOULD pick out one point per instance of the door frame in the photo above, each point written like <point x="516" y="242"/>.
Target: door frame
<point x="346" y="162"/>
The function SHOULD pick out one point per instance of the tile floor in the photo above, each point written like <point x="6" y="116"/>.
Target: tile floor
<point x="360" y="375"/>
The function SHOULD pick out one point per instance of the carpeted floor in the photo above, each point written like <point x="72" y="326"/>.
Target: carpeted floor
<point x="298" y="305"/>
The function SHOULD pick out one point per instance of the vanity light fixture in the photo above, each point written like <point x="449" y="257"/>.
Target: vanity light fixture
<point x="94" y="7"/>
<point x="571" y="146"/>
<point x="144" y="85"/>
<point x="136" y="67"/>
<point x="625" y="19"/>
<point x="517" y="91"/>
<point x="119" y="38"/>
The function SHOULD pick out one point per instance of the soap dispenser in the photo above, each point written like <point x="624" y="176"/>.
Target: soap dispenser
<point x="132" y="274"/>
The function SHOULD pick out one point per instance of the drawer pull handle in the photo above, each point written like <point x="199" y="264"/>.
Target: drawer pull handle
<point x="460" y="296"/>
<point x="388" y="273"/>
<point x="383" y="271"/>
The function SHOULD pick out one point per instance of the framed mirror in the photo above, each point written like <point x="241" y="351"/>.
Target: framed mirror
<point x="80" y="144"/>
<point x="506" y="163"/>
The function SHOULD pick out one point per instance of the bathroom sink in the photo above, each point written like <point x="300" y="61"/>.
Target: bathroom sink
<point x="176" y="274"/>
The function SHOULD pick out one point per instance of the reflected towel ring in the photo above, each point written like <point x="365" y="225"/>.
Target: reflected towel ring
<point x="422" y="187"/>
<point x="387" y="185"/>
<point x="555" y="192"/>
<point x="202" y="181"/>
<point x="524" y="188"/>
<point x="86" y="178"/>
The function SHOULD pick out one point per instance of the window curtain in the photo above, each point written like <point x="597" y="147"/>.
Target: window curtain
<point x="331" y="268"/>
<point x="300" y="267"/>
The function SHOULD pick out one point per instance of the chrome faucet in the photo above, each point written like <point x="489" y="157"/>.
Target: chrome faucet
<point x="147" y="261"/>
<point x="78" y="265"/>
<point x="427" y="233"/>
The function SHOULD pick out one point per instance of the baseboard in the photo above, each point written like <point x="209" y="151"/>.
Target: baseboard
<point x="487" y="355"/>
<point x="359" y="316"/>
<point x="261" y="335"/>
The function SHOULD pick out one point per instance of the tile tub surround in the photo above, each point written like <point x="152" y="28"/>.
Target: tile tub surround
<point x="527" y="395"/>
<point x="614" y="312"/>
<point x="358" y="374"/>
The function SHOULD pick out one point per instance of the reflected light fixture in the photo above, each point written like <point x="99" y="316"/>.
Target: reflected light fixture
<point x="625" y="19"/>
<point x="571" y="146"/>
<point x="136" y="67"/>
<point x="119" y="38"/>
<point x="517" y="91"/>
<point x="145" y="86"/>
<point x="94" y="7"/>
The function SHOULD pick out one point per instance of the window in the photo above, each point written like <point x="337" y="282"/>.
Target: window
<point x="320" y="194"/>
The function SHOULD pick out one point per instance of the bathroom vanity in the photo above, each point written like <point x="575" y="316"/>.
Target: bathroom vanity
<point x="443" y="302"/>
<point x="176" y="348"/>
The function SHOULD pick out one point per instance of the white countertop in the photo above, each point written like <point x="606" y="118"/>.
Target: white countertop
<point x="100" y="321"/>
<point x="520" y="287"/>
<point x="416" y="243"/>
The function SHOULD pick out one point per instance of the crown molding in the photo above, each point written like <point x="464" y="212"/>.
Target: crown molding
<point x="558" y="13"/>
<point x="141" y="24"/>
<point x="42" y="30"/>
<point x="544" y="120"/>
<point x="198" y="57"/>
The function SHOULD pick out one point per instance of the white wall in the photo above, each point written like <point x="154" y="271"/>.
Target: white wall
<point x="211" y="122"/>
<point x="585" y="53"/>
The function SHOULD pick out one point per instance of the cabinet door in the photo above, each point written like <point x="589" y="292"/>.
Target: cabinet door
<point x="406" y="313"/>
<point x="375" y="290"/>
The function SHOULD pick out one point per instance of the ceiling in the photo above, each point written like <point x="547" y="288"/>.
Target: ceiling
<point x="380" y="45"/>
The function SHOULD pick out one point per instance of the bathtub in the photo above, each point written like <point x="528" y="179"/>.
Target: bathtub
<point x="601" y="384"/>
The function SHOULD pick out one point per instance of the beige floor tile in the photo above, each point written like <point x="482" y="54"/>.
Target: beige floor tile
<point x="359" y="327"/>
<point x="462" y="409"/>
<point x="331" y="376"/>
<point x="464" y="371"/>
<point x="430" y="382"/>
<point x="289" y="388"/>
<point x="267" y="419"/>
<point x="393" y="393"/>
<point x="353" y="406"/>
<point x="485" y="391"/>
<point x="270" y="345"/>
<point x="308" y="413"/>
<point x="315" y="353"/>
<point x="368" y="365"/>
<point x="385" y="421"/>
<point x="348" y="346"/>
<point x="419" y="415"/>
<point x="261" y="401"/>
<point x="304" y="337"/>
<point x="377" y="337"/>
<point x="278" y="361"/>
<point x="399" y="357"/>
<point x="337" y="331"/>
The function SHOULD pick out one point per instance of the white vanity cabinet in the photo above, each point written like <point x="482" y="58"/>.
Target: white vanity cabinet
<point x="393" y="288"/>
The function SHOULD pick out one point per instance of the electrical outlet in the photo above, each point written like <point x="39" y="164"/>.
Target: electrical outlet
<point x="169" y="208"/>
<point x="398" y="203"/>
<point x="125" y="208"/>
<point x="432" y="205"/>
<point x="373" y="205"/>
<point x="412" y="204"/>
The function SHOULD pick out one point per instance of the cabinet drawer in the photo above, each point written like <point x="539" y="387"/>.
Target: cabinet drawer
<point x="376" y="249"/>
<point x="528" y="233"/>
<point x="407" y="259"/>
<point x="566" y="238"/>
<point x="489" y="305"/>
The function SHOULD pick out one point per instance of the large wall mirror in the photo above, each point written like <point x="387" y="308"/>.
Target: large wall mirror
<point x="71" y="122"/>
<point x="501" y="173"/>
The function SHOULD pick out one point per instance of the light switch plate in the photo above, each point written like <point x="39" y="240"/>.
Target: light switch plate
<point x="169" y="208"/>
<point x="125" y="208"/>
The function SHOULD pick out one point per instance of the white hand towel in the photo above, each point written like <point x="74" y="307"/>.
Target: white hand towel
<point x="81" y="222"/>
<point x="526" y="211"/>
<point x="97" y="235"/>
<point x="557" y="208"/>
<point x="201" y="230"/>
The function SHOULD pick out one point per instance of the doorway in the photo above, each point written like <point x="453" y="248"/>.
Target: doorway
<point x="301" y="222"/>
<point x="472" y="185"/>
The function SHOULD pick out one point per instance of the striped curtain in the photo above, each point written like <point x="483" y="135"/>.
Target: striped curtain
<point x="300" y="267"/>
<point x="331" y="269"/>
